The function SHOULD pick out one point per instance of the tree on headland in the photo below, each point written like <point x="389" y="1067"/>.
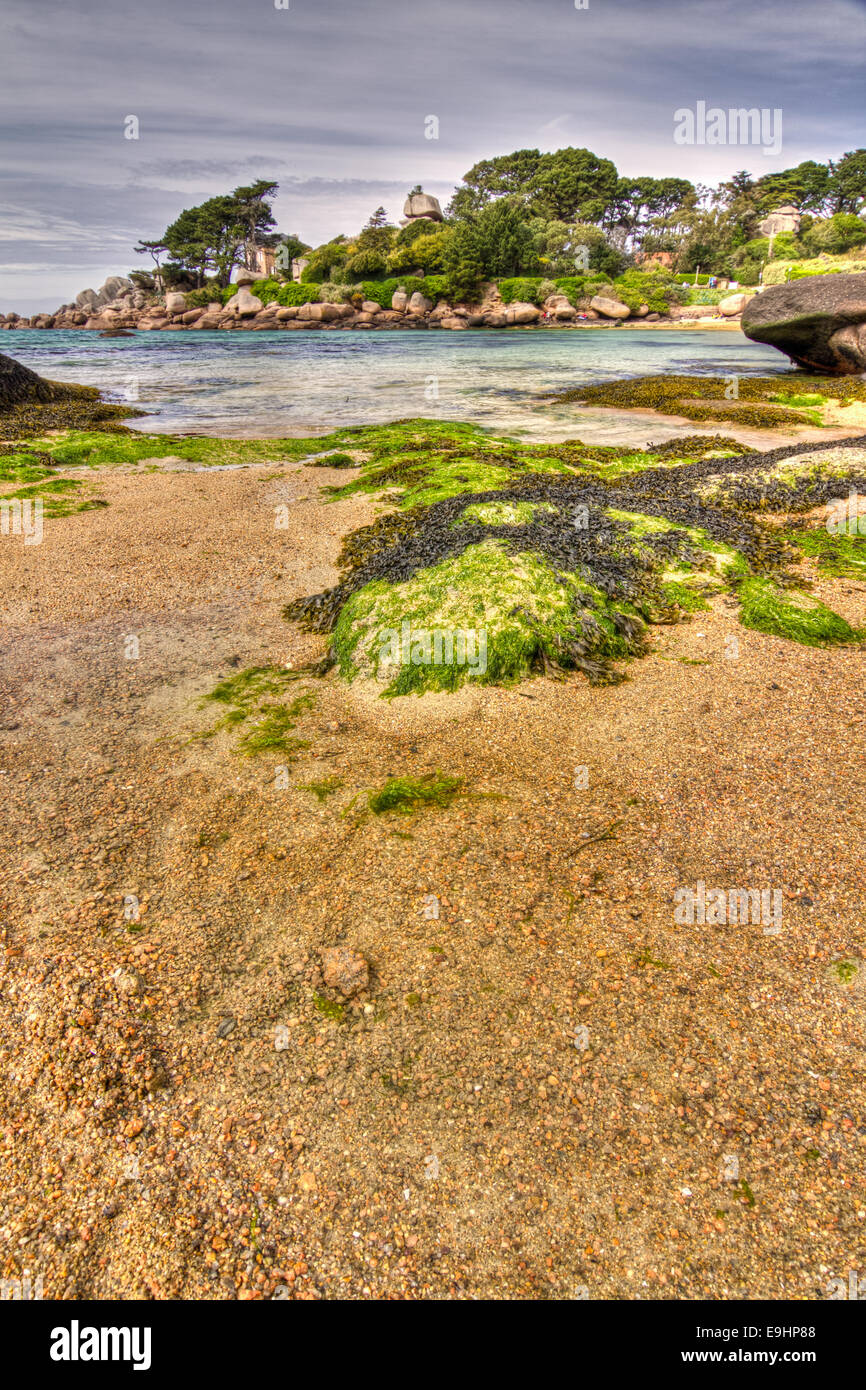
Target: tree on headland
<point x="636" y="203"/>
<point x="255" y="215"/>
<point x="848" y="182"/>
<point x="214" y="237"/>
<point x="495" y="243"/>
<point x="563" y="213"/>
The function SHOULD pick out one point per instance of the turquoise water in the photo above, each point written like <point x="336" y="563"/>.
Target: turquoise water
<point x="305" y="383"/>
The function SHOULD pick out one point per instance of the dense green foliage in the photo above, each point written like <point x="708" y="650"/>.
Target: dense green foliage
<point x="433" y="286"/>
<point x="533" y="217"/>
<point x="215" y="236"/>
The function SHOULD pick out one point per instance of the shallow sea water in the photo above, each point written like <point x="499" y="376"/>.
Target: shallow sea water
<point x="299" y="383"/>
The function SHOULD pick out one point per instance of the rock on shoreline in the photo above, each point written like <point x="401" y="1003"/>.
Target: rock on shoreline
<point x="819" y="321"/>
<point x="120" y="305"/>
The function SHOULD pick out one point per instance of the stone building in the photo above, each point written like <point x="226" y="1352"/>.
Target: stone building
<point x="261" y="260"/>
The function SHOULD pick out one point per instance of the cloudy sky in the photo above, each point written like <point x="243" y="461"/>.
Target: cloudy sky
<point x="331" y="98"/>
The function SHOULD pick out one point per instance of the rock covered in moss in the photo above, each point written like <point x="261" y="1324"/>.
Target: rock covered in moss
<point x="20" y="386"/>
<point x="819" y="321"/>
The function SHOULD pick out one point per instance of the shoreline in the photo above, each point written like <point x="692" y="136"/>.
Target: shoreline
<point x="25" y="326"/>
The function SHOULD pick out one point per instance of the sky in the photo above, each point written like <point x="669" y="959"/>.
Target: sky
<point x="332" y="98"/>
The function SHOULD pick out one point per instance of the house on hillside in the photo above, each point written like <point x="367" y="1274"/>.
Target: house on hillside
<point x="261" y="260"/>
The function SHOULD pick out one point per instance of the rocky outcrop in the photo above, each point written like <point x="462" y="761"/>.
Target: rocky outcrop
<point x="609" y="307"/>
<point x="244" y="304"/>
<point x="20" y="386"/>
<point x="419" y="303"/>
<point x="522" y="313"/>
<point x="819" y="322"/>
<point x="785" y="219"/>
<point x="422" y="205"/>
<point x="119" y="305"/>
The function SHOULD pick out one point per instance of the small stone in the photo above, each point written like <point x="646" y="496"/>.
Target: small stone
<point x="127" y="982"/>
<point x="345" y="970"/>
<point x="227" y="1026"/>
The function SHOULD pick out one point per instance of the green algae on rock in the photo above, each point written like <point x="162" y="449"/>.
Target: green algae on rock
<point x="799" y="617"/>
<point x="761" y="402"/>
<point x="561" y="565"/>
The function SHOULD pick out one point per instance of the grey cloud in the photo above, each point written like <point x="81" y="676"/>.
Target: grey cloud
<point x="330" y="96"/>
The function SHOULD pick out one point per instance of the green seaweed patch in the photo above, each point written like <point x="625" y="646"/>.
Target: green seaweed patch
<point x="758" y="400"/>
<point x="270" y="724"/>
<point x="405" y="795"/>
<point x="514" y="612"/>
<point x="765" y="608"/>
<point x="845" y="971"/>
<point x="58" y="497"/>
<point x="329" y="1008"/>
<point x="323" y="789"/>
<point x="422" y="468"/>
<point x="332" y="461"/>
<point x="679" y="594"/>
<point x="74" y="407"/>
<point x="20" y="464"/>
<point x="271" y="728"/>
<point x="504" y="513"/>
<point x="841" y="554"/>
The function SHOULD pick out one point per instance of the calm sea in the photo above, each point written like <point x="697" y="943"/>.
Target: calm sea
<point x="307" y="383"/>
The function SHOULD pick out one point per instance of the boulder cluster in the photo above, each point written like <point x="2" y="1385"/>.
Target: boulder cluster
<point x="120" y="305"/>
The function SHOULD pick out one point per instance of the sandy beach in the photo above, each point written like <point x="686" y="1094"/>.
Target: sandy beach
<point x="549" y="1089"/>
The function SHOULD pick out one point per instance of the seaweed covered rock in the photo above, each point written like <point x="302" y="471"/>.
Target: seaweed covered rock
<point x="30" y="404"/>
<point x="504" y="558"/>
<point x="819" y="321"/>
<point x="20" y="386"/>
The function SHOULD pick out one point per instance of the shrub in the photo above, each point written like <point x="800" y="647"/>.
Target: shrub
<point x="749" y="273"/>
<point x="577" y="287"/>
<point x="209" y="294"/>
<point x="788" y="247"/>
<point x="290" y="294"/>
<point x="365" y="263"/>
<point x="334" y="293"/>
<point x="382" y="291"/>
<point x="836" y="234"/>
<point x="655" y="288"/>
<point x="426" y="251"/>
<point x="524" y="288"/>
